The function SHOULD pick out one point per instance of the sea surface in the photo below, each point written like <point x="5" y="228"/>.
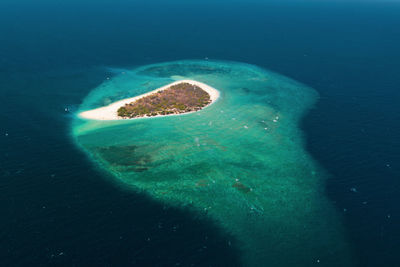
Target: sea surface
<point x="329" y="70"/>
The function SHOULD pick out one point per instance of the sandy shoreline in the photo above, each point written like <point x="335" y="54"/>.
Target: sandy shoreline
<point x="110" y="112"/>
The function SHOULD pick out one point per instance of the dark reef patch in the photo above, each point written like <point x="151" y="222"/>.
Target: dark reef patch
<point x="125" y="158"/>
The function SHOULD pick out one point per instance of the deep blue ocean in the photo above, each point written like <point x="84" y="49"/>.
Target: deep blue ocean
<point x="57" y="209"/>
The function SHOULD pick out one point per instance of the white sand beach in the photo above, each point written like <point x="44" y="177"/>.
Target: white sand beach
<point x="110" y="112"/>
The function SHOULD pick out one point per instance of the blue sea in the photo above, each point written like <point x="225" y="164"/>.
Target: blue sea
<point x="61" y="205"/>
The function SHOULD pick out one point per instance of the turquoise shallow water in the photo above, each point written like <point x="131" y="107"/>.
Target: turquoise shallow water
<point x="239" y="162"/>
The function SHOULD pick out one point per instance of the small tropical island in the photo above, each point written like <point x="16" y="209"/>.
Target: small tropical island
<point x="177" y="98"/>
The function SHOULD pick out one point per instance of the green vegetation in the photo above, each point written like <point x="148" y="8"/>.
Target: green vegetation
<point x="179" y="98"/>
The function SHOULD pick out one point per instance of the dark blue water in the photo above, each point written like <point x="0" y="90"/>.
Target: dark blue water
<point x="57" y="209"/>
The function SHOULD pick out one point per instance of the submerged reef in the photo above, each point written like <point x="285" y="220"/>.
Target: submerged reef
<point x="240" y="162"/>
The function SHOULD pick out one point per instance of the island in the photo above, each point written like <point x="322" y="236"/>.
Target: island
<point x="179" y="98"/>
<point x="184" y="96"/>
